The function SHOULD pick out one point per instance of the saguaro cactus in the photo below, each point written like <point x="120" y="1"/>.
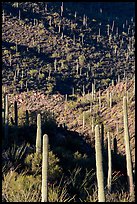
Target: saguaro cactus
<point x="108" y="97"/>
<point x="83" y="91"/>
<point x="6" y="117"/>
<point x="99" y="100"/>
<point x="55" y="64"/>
<point x="3" y="17"/>
<point x="45" y="169"/>
<point x="110" y="100"/>
<point x="127" y="148"/>
<point x="109" y="163"/>
<point x="16" y="113"/>
<point x="102" y="137"/>
<point x="73" y="91"/>
<point x="92" y="124"/>
<point x="83" y="120"/>
<point x="93" y="91"/>
<point x="99" y="166"/>
<point x="38" y="137"/>
<point x="19" y="15"/>
<point x="134" y="86"/>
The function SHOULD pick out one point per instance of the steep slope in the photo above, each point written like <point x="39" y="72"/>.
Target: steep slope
<point x="70" y="112"/>
<point x="44" y="50"/>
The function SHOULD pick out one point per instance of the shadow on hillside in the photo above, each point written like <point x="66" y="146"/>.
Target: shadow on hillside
<point x="70" y="147"/>
<point x="63" y="86"/>
<point x="31" y="52"/>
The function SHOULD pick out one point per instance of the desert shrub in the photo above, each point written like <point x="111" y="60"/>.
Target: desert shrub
<point x="34" y="163"/>
<point x="49" y="88"/>
<point x="59" y="193"/>
<point x="14" y="157"/>
<point x="80" y="181"/>
<point x="27" y="188"/>
<point x="21" y="188"/>
<point x="81" y="60"/>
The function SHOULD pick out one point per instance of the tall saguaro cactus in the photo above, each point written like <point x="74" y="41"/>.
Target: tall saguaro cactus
<point x="108" y="94"/>
<point x="127" y="148"/>
<point x="99" y="166"/>
<point x="16" y="113"/>
<point x="45" y="169"/>
<point x="110" y="100"/>
<point x="83" y="120"/>
<point x="38" y="137"/>
<point x="6" y="117"/>
<point x="102" y="137"/>
<point x="109" y="163"/>
<point x="99" y="99"/>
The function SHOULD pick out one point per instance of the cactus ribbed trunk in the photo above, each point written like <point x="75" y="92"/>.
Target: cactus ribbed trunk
<point x="99" y="100"/>
<point x="109" y="163"/>
<point x="83" y="120"/>
<point x="102" y="137"/>
<point x="127" y="148"/>
<point x="92" y="124"/>
<point x="108" y="97"/>
<point x="93" y="90"/>
<point x="134" y="87"/>
<point x="45" y="169"/>
<point x="110" y="100"/>
<point x="38" y="137"/>
<point x="16" y="113"/>
<point x="6" y="118"/>
<point x="83" y="92"/>
<point x="99" y="166"/>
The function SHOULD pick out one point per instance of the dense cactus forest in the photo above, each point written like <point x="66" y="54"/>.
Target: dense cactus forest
<point x="68" y="102"/>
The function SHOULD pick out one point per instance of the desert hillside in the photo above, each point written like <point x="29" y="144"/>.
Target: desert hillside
<point x="71" y="64"/>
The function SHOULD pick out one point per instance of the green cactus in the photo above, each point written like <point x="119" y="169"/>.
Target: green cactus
<point x="6" y="116"/>
<point x="73" y="91"/>
<point x="83" y="92"/>
<point x="93" y="91"/>
<point x="83" y="120"/>
<point x="118" y="78"/>
<point x="108" y="97"/>
<point x="16" y="113"/>
<point x="109" y="179"/>
<point x="127" y="95"/>
<point x="127" y="148"/>
<point x="134" y="86"/>
<point x="99" y="100"/>
<point x="45" y="169"/>
<point x="102" y="137"/>
<point x="3" y="17"/>
<point x="10" y="60"/>
<point x="99" y="166"/>
<point x="55" y="64"/>
<point x="90" y="107"/>
<point x="93" y="87"/>
<point x="16" y="46"/>
<point x="93" y="124"/>
<point x="112" y="82"/>
<point x="19" y="15"/>
<point x="110" y="102"/>
<point x="38" y="137"/>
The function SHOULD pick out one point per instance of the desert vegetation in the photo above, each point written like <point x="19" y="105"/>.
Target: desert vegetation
<point x="68" y="102"/>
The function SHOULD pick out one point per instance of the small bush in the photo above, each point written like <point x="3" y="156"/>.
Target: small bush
<point x="34" y="163"/>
